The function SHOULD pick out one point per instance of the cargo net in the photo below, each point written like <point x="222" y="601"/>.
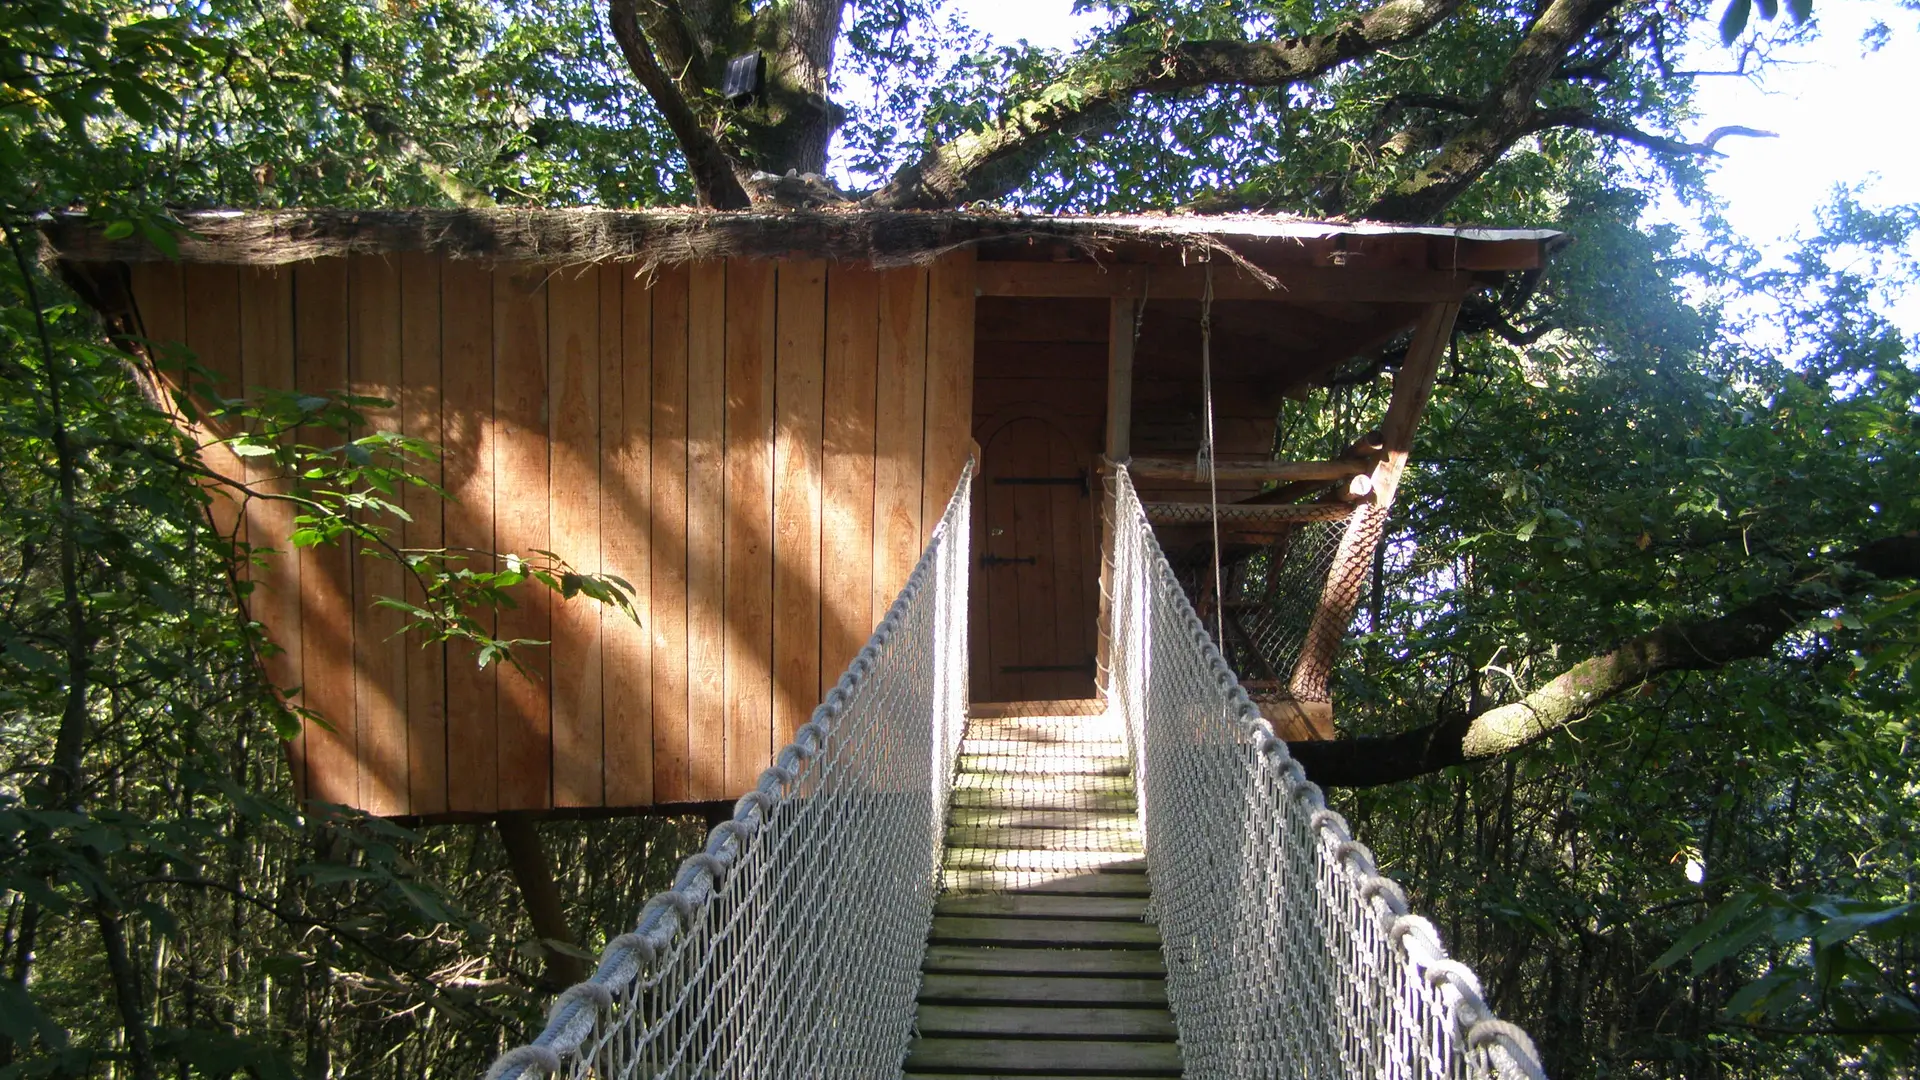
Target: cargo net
<point x="1270" y="594"/>
<point x="791" y="945"/>
<point x="1287" y="953"/>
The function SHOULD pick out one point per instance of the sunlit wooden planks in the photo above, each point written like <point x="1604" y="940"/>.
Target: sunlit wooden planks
<point x="748" y="528"/>
<point x="900" y="412"/>
<point x="847" y="466"/>
<point x="672" y="455"/>
<point x="326" y="572"/>
<point x="266" y="363"/>
<point x="949" y="379"/>
<point x="626" y="481"/>
<point x="798" y="410"/>
<point x="522" y="526"/>
<point x="707" y="511"/>
<point x="574" y="434"/>
<point x="468" y="434"/>
<point x="742" y="442"/>
<point x="379" y="652"/>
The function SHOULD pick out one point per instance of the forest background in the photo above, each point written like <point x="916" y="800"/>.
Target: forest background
<point x="1675" y="435"/>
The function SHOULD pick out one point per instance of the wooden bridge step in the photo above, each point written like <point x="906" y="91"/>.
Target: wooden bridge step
<point x="1054" y="990"/>
<point x="1018" y="818"/>
<point x="1079" y="860"/>
<point x="1032" y="1020"/>
<point x="1079" y="883"/>
<point x="1045" y="764"/>
<point x="1007" y="960"/>
<point x="1031" y="905"/>
<point x="1016" y="799"/>
<point x="1046" y="783"/>
<point x="1043" y="932"/>
<point x="1000" y="745"/>
<point x="1045" y="839"/>
<point x="1028" y="1057"/>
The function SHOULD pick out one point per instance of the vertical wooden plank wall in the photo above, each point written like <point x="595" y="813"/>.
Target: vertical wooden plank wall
<point x="760" y="449"/>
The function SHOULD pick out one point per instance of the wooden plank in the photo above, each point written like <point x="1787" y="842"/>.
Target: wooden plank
<point x="1036" y="627"/>
<point x="421" y="401"/>
<point x="1027" y="1055"/>
<point x="1184" y="469"/>
<point x="1040" y="859"/>
<point x="748" y="536"/>
<point x="522" y="526"/>
<point x="1119" y="820"/>
<point x="1062" y="990"/>
<point x="1302" y="286"/>
<point x="626" y="483"/>
<point x="1113" y="841"/>
<point x="671" y="459"/>
<point x="899" y="426"/>
<point x="266" y="359"/>
<point x="847" y="467"/>
<point x="1045" y="906"/>
<point x="379" y="652"/>
<point x="1029" y="1021"/>
<point x="573" y="426"/>
<point x="326" y="572"/>
<point x="974" y="959"/>
<point x="1045" y="764"/>
<point x="706" y="528"/>
<point x="799" y="416"/>
<point x="949" y="381"/>
<point x="1125" y="884"/>
<point x="212" y="328"/>
<point x="1412" y="386"/>
<point x="468" y="435"/>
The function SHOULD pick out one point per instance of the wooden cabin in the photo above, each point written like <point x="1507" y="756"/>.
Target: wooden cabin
<point x="755" y="420"/>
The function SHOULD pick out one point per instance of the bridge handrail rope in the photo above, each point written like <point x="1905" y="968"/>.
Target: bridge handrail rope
<point x="791" y="944"/>
<point x="1285" y="945"/>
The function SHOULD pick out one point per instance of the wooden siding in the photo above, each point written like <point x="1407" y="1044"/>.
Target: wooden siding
<point x="759" y="448"/>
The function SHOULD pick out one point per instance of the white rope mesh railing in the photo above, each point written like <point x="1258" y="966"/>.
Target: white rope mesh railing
<point x="791" y="945"/>
<point x="1287" y="953"/>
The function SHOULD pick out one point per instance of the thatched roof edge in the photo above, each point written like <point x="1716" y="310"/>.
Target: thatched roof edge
<point x="653" y="238"/>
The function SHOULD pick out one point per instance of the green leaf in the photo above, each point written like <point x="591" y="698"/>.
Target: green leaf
<point x="1708" y="927"/>
<point x="1734" y="22"/>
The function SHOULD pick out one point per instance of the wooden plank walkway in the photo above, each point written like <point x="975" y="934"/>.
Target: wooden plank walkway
<point x="1041" y="963"/>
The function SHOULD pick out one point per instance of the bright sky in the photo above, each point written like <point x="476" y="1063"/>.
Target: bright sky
<point x="1843" y="115"/>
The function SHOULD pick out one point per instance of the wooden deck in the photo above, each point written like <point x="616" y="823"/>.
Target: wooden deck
<point x="1041" y="962"/>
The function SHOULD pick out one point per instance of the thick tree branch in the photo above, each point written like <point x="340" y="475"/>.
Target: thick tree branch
<point x="1746" y="633"/>
<point x="1659" y="144"/>
<point x="990" y="161"/>
<point x="1504" y="115"/>
<point x="711" y="170"/>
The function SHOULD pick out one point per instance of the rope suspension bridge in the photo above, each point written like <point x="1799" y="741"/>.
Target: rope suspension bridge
<point x="1154" y="891"/>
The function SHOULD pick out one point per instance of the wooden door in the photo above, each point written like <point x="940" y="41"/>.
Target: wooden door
<point x="1036" y="565"/>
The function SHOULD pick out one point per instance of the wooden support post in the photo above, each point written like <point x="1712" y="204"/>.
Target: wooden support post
<point x="1119" y="448"/>
<point x="1412" y="386"/>
<point x="533" y="873"/>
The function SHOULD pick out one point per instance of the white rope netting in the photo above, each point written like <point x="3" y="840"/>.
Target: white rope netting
<point x="791" y="945"/>
<point x="1287" y="953"/>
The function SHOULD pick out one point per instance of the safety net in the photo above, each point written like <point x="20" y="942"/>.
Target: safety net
<point x="791" y="946"/>
<point x="1287" y="953"/>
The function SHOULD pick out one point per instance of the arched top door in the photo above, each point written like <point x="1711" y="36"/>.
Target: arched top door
<point x="1036" y="562"/>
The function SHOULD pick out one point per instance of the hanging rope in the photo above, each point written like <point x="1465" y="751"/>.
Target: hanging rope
<point x="1206" y="452"/>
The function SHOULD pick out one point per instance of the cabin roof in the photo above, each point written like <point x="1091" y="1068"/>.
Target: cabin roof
<point x="654" y="238"/>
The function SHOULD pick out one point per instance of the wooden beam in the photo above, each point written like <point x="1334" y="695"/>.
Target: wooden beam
<point x="1188" y="470"/>
<point x="1346" y="284"/>
<point x="1194" y="513"/>
<point x="1412" y="386"/>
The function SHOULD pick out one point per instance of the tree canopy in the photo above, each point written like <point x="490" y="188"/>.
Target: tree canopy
<point x="1631" y="709"/>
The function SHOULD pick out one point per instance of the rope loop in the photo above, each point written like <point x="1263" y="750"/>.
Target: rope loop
<point x="1388" y="892"/>
<point x="521" y="1059"/>
<point x="1508" y="1036"/>
<point x="639" y="945"/>
<point x="1330" y="822"/>
<point x="715" y="865"/>
<point x="1356" y="857"/>
<point x="588" y="994"/>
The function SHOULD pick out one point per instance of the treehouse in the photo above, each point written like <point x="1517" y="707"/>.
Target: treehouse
<point x="757" y="421"/>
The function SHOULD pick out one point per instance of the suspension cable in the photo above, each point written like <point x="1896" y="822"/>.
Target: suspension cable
<point x="1207" y="452"/>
